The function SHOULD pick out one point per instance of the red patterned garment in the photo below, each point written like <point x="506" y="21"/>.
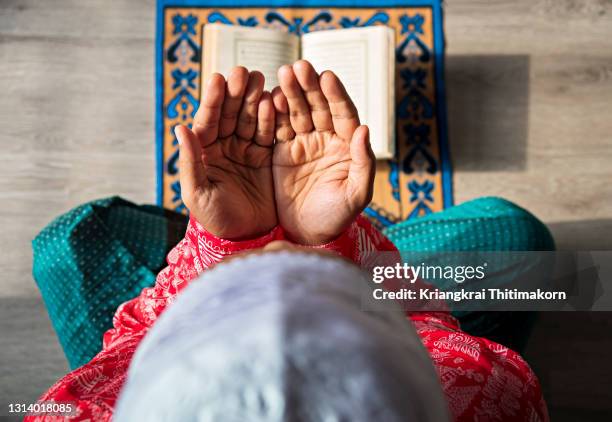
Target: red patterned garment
<point x="482" y="380"/>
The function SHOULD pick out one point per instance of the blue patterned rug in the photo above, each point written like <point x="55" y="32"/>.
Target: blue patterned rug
<point x="417" y="182"/>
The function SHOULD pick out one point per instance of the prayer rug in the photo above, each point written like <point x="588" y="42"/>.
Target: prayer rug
<point x="418" y="181"/>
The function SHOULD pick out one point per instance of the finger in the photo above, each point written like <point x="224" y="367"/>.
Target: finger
<point x="299" y="112"/>
<point x="192" y="174"/>
<point x="234" y="93"/>
<point x="247" y="119"/>
<point x="343" y="111"/>
<point x="264" y="134"/>
<point x="284" y="131"/>
<point x="206" y="120"/>
<point x="362" y="168"/>
<point x="308" y="79"/>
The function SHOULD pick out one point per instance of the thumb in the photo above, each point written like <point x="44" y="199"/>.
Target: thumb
<point x="192" y="174"/>
<point x="362" y="168"/>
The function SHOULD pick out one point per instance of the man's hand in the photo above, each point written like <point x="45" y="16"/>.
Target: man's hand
<point x="225" y="161"/>
<point x="323" y="164"/>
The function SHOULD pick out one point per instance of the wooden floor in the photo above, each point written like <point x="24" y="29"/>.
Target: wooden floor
<point x="530" y="114"/>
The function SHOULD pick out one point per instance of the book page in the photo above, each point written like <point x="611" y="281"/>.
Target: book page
<point x="226" y="46"/>
<point x="362" y="59"/>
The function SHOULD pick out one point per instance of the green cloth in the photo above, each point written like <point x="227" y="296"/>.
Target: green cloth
<point x="103" y="253"/>
<point x="95" y="257"/>
<point x="483" y="224"/>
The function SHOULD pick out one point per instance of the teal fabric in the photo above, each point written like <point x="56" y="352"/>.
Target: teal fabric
<point x="103" y="253"/>
<point x="95" y="257"/>
<point x="483" y="224"/>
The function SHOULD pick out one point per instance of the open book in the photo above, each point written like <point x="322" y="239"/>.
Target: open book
<point x="362" y="58"/>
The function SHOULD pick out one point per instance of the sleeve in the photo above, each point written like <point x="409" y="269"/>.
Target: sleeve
<point x="367" y="247"/>
<point x="93" y="388"/>
<point x="481" y="379"/>
<point x="359" y="240"/>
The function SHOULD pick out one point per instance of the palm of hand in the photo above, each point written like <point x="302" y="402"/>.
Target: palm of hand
<point x="225" y="161"/>
<point x="311" y="173"/>
<point x="241" y="193"/>
<point x="322" y="163"/>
